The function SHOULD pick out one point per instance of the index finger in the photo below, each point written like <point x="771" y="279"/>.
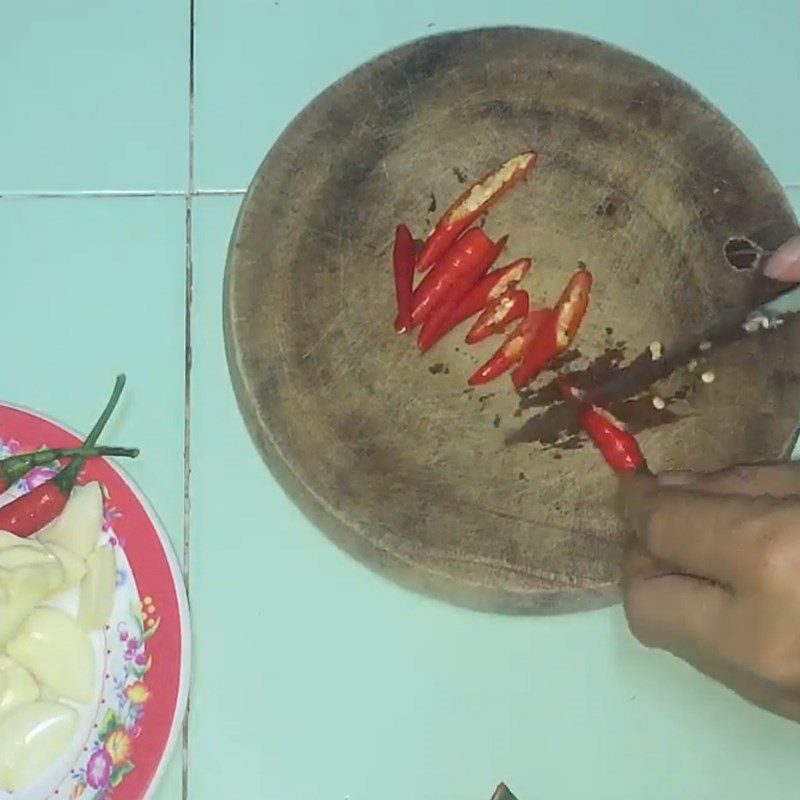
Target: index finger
<point x="713" y="536"/>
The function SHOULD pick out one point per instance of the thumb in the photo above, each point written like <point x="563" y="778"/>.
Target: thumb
<point x="784" y="263"/>
<point x="775" y="480"/>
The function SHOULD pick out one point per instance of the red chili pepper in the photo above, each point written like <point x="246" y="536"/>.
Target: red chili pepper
<point x="473" y="204"/>
<point x="455" y="273"/>
<point x="18" y="466"/>
<point x="404" y="256"/>
<point x="499" y="314"/>
<point x="31" y="512"/>
<point x="438" y="318"/>
<point x="560" y="332"/>
<point x="488" y="288"/>
<point x="617" y="445"/>
<point x="514" y="346"/>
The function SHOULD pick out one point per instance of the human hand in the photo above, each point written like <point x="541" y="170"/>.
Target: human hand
<point x="784" y="263"/>
<point x="714" y="576"/>
<point x="714" y="572"/>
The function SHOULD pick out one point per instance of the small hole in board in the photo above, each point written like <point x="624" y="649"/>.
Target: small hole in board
<point x="742" y="254"/>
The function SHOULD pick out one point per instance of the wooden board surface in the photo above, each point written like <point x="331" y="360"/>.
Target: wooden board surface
<point x="471" y="495"/>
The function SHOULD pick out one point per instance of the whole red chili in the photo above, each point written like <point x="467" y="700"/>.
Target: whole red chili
<point x="472" y="204"/>
<point x="436" y="322"/>
<point x="499" y="314"/>
<point x="31" y="512"/>
<point x="514" y="346"/>
<point x="560" y="332"/>
<point x="454" y="273"/>
<point x="17" y="466"/>
<point x="404" y="256"/>
<point x="616" y="444"/>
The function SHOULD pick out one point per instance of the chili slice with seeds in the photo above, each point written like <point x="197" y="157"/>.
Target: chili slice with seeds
<point x="560" y="331"/>
<point x="472" y="205"/>
<point x="488" y="288"/>
<point x="514" y="346"/>
<point x="499" y="314"/>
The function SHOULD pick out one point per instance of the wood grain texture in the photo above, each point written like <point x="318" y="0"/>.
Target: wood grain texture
<point x="385" y="450"/>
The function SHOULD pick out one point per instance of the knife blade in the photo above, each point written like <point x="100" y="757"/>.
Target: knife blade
<point x="646" y="368"/>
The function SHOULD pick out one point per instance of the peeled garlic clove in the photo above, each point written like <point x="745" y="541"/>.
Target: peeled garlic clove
<point x="58" y="652"/>
<point x="23" y="556"/>
<point x="21" y="589"/>
<point x="17" y="686"/>
<point x="12" y="540"/>
<point x="79" y="525"/>
<point x="12" y="615"/>
<point x="98" y="588"/>
<point x="32" y="737"/>
<point x="33" y="582"/>
<point x="73" y="566"/>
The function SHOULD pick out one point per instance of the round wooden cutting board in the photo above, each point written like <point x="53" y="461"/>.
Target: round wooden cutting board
<point x="475" y="496"/>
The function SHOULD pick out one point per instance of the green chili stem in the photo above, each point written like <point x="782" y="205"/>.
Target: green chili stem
<point x="66" y="479"/>
<point x="15" y="467"/>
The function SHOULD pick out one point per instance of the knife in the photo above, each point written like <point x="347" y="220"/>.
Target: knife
<point x="649" y="366"/>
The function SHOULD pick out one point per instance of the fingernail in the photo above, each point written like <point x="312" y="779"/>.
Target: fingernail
<point x="676" y="478"/>
<point x="784" y="263"/>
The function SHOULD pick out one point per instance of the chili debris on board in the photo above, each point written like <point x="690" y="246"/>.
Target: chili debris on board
<point x="459" y="283"/>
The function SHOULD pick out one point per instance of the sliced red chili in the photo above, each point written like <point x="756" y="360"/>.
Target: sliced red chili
<point x="573" y="304"/>
<point x="404" y="256"/>
<point x="455" y="273"/>
<point x="615" y="442"/>
<point x="499" y="314"/>
<point x="514" y="346"/>
<point x="487" y="289"/>
<point x="428" y="336"/>
<point x="473" y="204"/>
<point x="560" y="331"/>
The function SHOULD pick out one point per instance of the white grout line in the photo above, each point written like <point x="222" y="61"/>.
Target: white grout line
<point x="187" y="448"/>
<point x="112" y="193"/>
<point x="91" y="193"/>
<point x="215" y="192"/>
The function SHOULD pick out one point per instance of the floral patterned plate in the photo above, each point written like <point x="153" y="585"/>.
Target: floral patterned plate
<point x="142" y="657"/>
